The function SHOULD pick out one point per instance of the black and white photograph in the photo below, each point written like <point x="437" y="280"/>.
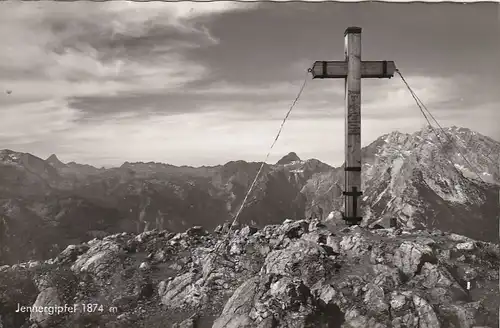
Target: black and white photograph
<point x="249" y="164"/>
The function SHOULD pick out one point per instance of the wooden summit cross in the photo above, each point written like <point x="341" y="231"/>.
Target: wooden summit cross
<point x="352" y="69"/>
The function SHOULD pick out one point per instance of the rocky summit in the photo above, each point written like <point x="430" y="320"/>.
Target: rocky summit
<point x="297" y="274"/>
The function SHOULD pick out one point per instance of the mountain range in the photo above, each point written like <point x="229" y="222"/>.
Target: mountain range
<point x="421" y="179"/>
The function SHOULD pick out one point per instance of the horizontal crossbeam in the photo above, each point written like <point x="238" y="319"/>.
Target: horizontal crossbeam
<point x="338" y="69"/>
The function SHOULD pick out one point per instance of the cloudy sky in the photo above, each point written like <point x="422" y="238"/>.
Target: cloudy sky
<point x="203" y="84"/>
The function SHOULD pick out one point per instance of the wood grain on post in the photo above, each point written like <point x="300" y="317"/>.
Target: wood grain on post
<point x="352" y="52"/>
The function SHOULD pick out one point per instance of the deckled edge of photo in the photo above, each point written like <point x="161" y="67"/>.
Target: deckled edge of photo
<point x="270" y="1"/>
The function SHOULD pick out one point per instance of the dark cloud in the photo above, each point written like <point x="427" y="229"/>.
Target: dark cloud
<point x="427" y="39"/>
<point x="168" y="103"/>
<point x="153" y="39"/>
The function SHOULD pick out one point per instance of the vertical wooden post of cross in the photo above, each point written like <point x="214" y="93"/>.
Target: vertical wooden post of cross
<point x="352" y="167"/>
<point x="352" y="69"/>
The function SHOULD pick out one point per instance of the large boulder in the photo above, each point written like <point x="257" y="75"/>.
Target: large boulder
<point x="411" y="256"/>
<point x="46" y="303"/>
<point x="236" y="312"/>
<point x="301" y="258"/>
<point x="100" y="259"/>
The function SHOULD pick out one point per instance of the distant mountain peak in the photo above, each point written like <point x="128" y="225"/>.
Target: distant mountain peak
<point x="289" y="158"/>
<point x="54" y="161"/>
<point x="53" y="158"/>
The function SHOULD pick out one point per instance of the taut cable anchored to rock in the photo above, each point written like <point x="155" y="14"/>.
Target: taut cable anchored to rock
<point x="304" y="83"/>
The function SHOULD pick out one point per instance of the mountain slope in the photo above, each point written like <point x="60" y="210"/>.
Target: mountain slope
<point x="24" y="174"/>
<point x="424" y="182"/>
